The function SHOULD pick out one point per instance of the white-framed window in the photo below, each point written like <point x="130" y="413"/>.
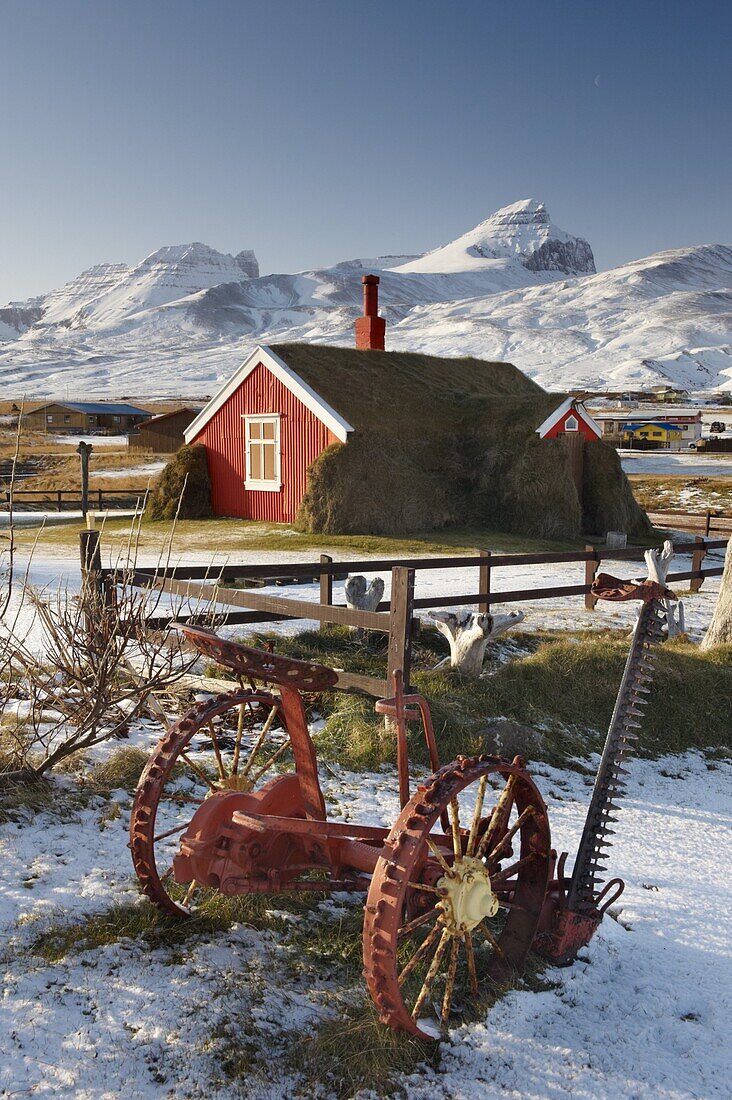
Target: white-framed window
<point x="571" y="424"/>
<point x="49" y="418"/>
<point x="263" y="452"/>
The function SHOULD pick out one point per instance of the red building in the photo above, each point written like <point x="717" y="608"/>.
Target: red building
<point x="262" y="431"/>
<point x="569" y="419"/>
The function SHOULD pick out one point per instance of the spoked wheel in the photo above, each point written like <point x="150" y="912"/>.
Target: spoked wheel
<point x="235" y="742"/>
<point x="449" y="915"/>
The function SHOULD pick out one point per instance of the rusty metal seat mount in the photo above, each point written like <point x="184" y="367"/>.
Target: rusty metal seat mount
<point x="258" y="665"/>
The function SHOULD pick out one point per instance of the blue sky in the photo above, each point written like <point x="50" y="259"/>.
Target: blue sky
<point x="319" y="130"/>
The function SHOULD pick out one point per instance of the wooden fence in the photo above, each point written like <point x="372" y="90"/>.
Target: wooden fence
<point x="394" y="617"/>
<point x="72" y="497"/>
<point x="705" y="523"/>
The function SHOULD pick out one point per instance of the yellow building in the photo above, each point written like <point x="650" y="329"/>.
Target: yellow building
<point x="663" y="435"/>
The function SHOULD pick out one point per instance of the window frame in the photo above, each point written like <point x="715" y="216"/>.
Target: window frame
<point x="575" y="423"/>
<point x="262" y="485"/>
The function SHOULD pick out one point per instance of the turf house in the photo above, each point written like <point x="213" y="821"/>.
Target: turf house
<point x="362" y="440"/>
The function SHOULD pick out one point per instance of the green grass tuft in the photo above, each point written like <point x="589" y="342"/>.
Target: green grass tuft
<point x="563" y="685"/>
<point x="122" y="769"/>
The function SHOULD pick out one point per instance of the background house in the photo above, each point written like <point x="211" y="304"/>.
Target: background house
<point x="163" y="434"/>
<point x="102" y="417"/>
<point x="652" y="433"/>
<point x="570" y="418"/>
<point x="616" y="422"/>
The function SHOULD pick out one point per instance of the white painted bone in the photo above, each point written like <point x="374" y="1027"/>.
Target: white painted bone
<point x="658" y="563"/>
<point x="363" y="597"/>
<point x="468" y="634"/>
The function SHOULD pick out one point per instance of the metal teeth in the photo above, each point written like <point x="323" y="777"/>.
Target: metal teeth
<point x="619" y="745"/>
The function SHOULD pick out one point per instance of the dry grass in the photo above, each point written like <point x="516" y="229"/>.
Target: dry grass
<point x="64" y="472"/>
<point x="239" y="538"/>
<point x="42" y="443"/>
<point x="120" y="770"/>
<point x="682" y="493"/>
<point x="564" y="686"/>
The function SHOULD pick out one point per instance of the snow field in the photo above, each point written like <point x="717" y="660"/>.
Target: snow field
<point x="643" y="1013"/>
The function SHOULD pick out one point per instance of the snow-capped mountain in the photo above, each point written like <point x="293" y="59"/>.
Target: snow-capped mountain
<point x="521" y="232"/>
<point x="516" y="287"/>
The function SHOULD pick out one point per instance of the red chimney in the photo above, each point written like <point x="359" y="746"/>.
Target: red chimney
<point x="370" y="329"/>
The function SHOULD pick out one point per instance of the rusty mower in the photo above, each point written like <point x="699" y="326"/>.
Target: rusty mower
<point x="457" y="892"/>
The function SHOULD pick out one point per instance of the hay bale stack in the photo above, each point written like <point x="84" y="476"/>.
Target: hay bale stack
<point x="448" y="442"/>
<point x="186" y="476"/>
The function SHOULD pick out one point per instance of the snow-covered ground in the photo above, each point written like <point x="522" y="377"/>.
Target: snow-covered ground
<point x="96" y="440"/>
<point x="684" y="463"/>
<point x="643" y="1013"/>
<point x="38" y="519"/>
<point x="50" y="571"/>
<point x="149" y="468"/>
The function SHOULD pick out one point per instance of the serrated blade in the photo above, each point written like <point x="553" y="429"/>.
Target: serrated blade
<point x="619" y="747"/>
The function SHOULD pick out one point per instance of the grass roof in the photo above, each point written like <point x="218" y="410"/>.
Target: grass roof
<point x="399" y="390"/>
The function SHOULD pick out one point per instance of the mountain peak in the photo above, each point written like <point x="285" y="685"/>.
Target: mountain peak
<point x="521" y="231"/>
<point x="196" y="255"/>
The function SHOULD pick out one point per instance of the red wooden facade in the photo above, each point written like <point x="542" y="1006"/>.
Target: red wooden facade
<point x="302" y="438"/>
<point x="560" y="428"/>
<point x="571" y="418"/>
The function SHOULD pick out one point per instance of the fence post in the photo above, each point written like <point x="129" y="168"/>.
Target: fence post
<point x="708" y="524"/>
<point x="484" y="580"/>
<point x="697" y="559"/>
<point x="100" y="499"/>
<point x="400" y="624"/>
<point x="326" y="585"/>
<point x="58" y="500"/>
<point x="91" y="556"/>
<point x="591" y="568"/>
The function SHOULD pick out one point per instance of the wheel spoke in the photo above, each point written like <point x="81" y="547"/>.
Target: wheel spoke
<point x="450" y="981"/>
<point x="201" y="774"/>
<point x="491" y="939"/>
<point x="470" y="955"/>
<point x="217" y="750"/>
<point x="499" y="818"/>
<point x="424" y="886"/>
<point x="171" y="832"/>
<point x="502" y="844"/>
<point x="439" y="857"/>
<point x="477" y="813"/>
<point x="190" y="892"/>
<point x="237" y="741"/>
<point x="456" y="838"/>
<point x="258" y="744"/>
<point x="419" y="954"/>
<point x="413" y="925"/>
<point x="431" y="974"/>
<point x="272" y="760"/>
<point x="503" y="875"/>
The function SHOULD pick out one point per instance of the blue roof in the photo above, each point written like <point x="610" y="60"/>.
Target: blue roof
<point x="651" y="424"/>
<point x="101" y="407"/>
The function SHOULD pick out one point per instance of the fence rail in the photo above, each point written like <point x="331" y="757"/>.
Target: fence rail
<point x="705" y="523"/>
<point x="393" y="617"/>
<point x="60" y="497"/>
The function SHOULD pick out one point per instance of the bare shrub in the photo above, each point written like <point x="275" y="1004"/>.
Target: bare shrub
<point x="85" y="666"/>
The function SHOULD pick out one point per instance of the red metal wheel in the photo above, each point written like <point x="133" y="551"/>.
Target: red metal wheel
<point x="233" y="742"/>
<point x="448" y="913"/>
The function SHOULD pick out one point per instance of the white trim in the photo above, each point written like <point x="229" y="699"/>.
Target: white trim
<point x="262" y="354"/>
<point x="571" y="424"/>
<point x="578" y="408"/>
<point x="261" y="485"/>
